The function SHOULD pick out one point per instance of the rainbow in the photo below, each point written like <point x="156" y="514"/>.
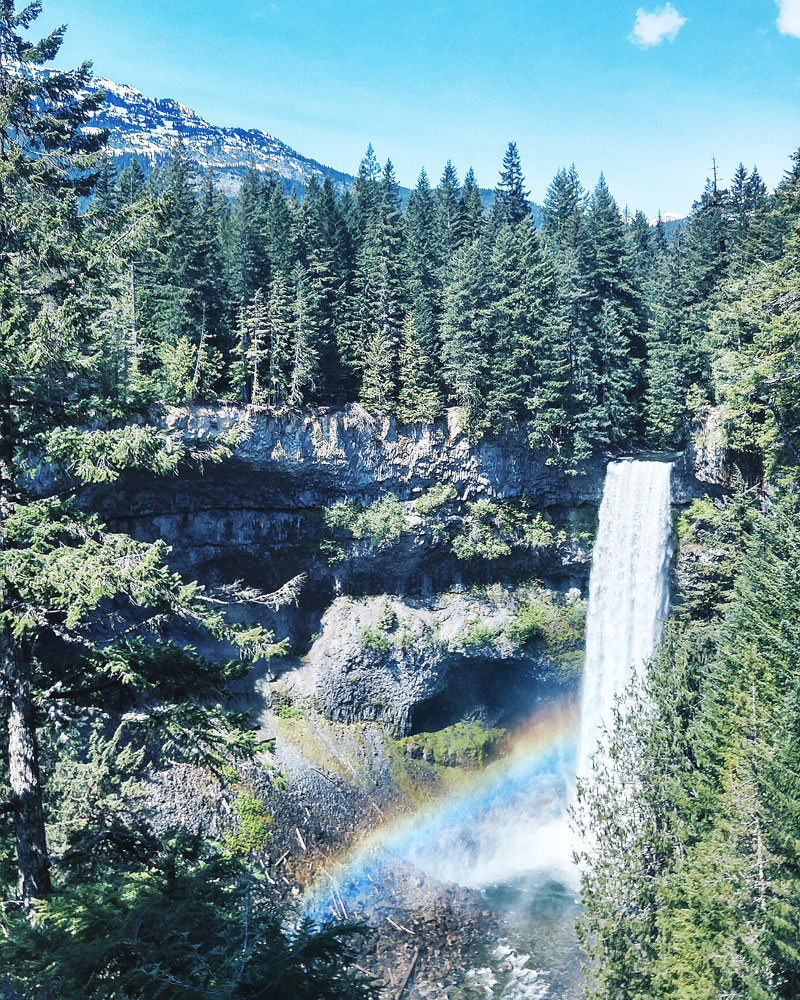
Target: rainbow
<point x="509" y="820"/>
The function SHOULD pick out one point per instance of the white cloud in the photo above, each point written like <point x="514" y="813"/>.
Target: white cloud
<point x="653" y="26"/>
<point x="789" y="17"/>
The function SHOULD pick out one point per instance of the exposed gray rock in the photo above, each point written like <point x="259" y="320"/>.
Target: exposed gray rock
<point x="389" y="659"/>
<point x="708" y="466"/>
<point x="313" y="455"/>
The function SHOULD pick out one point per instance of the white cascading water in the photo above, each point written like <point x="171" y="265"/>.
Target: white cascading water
<point x="514" y="821"/>
<point x="628" y="591"/>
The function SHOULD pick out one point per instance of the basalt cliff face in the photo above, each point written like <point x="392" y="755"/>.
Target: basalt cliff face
<point x="255" y="505"/>
<point x="445" y="559"/>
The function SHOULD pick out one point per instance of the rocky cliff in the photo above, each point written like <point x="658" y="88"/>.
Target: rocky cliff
<point x="355" y="508"/>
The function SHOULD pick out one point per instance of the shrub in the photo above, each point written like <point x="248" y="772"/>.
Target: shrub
<point x="343" y="516"/>
<point x="254" y="823"/>
<point x="698" y="510"/>
<point x="375" y="640"/>
<point x="383" y="522"/>
<point x="478" y="633"/>
<point x="538" y="533"/>
<point x="484" y="534"/>
<point x="387" y="619"/>
<point x="533" y="620"/>
<point x="436" y="497"/>
<point x="491" y="530"/>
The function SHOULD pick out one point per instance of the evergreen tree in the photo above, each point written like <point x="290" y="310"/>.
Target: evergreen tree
<point x="422" y="245"/>
<point x="304" y="367"/>
<point x="510" y="197"/>
<point x="258" y="348"/>
<point x="281" y="327"/>
<point x="465" y="359"/>
<point x="366" y="191"/>
<point x="563" y="209"/>
<point x="280" y="233"/>
<point x="380" y="281"/>
<point x="520" y="295"/>
<point x="378" y="387"/>
<point x="613" y="313"/>
<point x="423" y="273"/>
<point x="448" y="214"/>
<point x="248" y="262"/>
<point x="61" y="570"/>
<point x="703" y="268"/>
<point x="106" y="196"/>
<point x="418" y="398"/>
<point x="472" y="215"/>
<point x="665" y="372"/>
<point x="131" y="182"/>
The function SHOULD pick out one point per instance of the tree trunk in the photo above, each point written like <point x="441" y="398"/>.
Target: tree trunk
<point x="23" y="764"/>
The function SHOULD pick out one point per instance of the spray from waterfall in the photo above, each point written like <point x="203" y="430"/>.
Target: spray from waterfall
<point x="513" y="817"/>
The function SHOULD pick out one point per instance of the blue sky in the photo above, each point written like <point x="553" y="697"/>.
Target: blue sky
<point x="646" y="94"/>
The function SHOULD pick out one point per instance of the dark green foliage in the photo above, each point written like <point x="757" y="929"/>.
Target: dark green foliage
<point x="596" y="333"/>
<point x="694" y="818"/>
<point x="172" y="920"/>
<point x="491" y="530"/>
<point x="510" y="198"/>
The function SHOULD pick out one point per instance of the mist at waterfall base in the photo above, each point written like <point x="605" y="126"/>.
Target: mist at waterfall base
<point x="508" y="833"/>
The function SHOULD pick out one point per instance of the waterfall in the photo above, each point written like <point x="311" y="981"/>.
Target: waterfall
<point x="512" y="820"/>
<point x="628" y="591"/>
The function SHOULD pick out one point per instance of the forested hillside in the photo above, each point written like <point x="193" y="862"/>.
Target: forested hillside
<point x="122" y="295"/>
<point x="595" y="330"/>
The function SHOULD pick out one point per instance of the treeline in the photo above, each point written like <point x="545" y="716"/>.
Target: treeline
<point x="595" y="331"/>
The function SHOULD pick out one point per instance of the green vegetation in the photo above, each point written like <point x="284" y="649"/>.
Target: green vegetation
<point x="533" y="620"/>
<point x="591" y="334"/>
<point x="285" y="707"/>
<point x="380" y="523"/>
<point x="464" y="744"/>
<point x="436" y="497"/>
<point x="387" y="619"/>
<point x="699" y="510"/>
<point x="491" y="530"/>
<point x="252" y="832"/>
<point x="691" y="892"/>
<point x="478" y="633"/>
<point x="544" y="621"/>
<point x="287" y="711"/>
<point x="374" y="639"/>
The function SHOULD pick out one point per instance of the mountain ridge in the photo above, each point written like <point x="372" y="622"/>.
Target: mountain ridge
<point x="147" y="128"/>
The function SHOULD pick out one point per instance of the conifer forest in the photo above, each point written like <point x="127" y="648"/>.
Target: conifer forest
<point x="556" y="338"/>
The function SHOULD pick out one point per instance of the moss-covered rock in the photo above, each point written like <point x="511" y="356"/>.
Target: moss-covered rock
<point x="464" y="744"/>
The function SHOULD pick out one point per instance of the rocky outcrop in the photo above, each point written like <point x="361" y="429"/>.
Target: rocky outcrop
<point x="709" y="466"/>
<point x="257" y="515"/>
<point x="307" y="457"/>
<point x="417" y="665"/>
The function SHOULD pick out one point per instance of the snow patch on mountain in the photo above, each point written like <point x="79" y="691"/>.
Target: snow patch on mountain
<point x="148" y="128"/>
